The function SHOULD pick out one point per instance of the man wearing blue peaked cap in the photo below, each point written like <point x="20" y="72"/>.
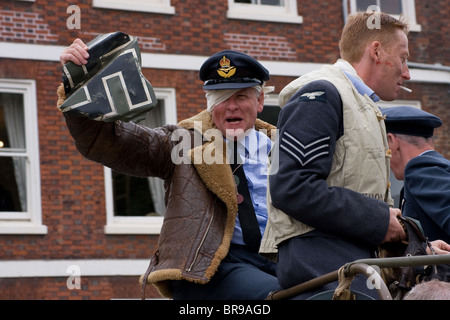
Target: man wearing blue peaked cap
<point x="229" y="69"/>
<point x="216" y="208"/>
<point x="426" y="173"/>
<point x="411" y="121"/>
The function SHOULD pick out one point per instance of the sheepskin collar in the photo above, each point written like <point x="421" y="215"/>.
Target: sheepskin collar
<point x="217" y="176"/>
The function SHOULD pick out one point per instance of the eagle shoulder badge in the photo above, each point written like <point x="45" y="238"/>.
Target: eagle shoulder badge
<point x="313" y="96"/>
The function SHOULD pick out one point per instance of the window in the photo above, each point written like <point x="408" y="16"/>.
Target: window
<point x="155" y="6"/>
<point x="393" y="7"/>
<point x="264" y="10"/>
<point x="271" y="109"/>
<point x="136" y="205"/>
<point x="266" y="2"/>
<point x="20" y="193"/>
<point x="389" y="6"/>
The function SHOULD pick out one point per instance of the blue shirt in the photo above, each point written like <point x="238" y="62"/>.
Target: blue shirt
<point x="351" y="74"/>
<point x="255" y="154"/>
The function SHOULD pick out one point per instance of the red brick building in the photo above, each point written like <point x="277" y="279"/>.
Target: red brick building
<point x="72" y="229"/>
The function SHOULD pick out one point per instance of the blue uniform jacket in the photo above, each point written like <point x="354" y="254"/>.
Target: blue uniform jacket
<point x="427" y="194"/>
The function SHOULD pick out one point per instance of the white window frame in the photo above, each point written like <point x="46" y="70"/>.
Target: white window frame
<point x="154" y="6"/>
<point x="271" y="99"/>
<point x="397" y="103"/>
<point x="247" y="11"/>
<point x="137" y="224"/>
<point x="30" y="221"/>
<point x="409" y="11"/>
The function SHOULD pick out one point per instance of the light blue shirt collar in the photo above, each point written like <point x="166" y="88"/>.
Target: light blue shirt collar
<point x="257" y="146"/>
<point x="359" y="84"/>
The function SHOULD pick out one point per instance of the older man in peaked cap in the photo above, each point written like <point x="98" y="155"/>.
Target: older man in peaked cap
<point x="426" y="173"/>
<point x="209" y="241"/>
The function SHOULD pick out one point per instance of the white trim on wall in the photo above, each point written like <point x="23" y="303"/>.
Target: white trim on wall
<point x="65" y="268"/>
<point x="427" y="73"/>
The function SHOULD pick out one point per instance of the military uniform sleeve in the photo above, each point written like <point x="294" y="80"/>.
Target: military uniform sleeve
<point x="125" y="147"/>
<point x="309" y="126"/>
<point x="428" y="181"/>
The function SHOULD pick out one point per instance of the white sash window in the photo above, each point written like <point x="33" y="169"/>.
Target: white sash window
<point x="395" y="8"/>
<point x="20" y="191"/>
<point x="264" y="10"/>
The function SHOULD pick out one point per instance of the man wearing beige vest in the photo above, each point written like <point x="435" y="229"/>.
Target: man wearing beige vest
<point x="329" y="201"/>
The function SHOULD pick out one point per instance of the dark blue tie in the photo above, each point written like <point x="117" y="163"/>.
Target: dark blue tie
<point x="246" y="212"/>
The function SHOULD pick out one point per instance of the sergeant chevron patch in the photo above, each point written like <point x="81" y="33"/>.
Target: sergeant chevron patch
<point x="304" y="153"/>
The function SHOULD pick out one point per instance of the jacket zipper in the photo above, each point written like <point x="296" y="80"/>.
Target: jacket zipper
<point x="202" y="241"/>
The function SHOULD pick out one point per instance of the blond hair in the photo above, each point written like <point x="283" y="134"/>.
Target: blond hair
<point x="363" y="28"/>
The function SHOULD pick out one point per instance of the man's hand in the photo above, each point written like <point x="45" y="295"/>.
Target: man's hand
<point x="439" y="246"/>
<point x="76" y="52"/>
<point x="395" y="230"/>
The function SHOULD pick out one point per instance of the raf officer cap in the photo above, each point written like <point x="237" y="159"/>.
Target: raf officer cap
<point x="410" y="121"/>
<point x="230" y="69"/>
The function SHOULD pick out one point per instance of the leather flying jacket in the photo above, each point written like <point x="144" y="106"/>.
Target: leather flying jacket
<point x="200" y="198"/>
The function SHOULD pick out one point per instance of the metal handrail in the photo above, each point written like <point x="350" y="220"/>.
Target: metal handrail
<point x="361" y="266"/>
<point x="395" y="262"/>
<point x="354" y="268"/>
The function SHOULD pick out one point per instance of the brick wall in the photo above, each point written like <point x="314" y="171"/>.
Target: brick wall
<point x="72" y="187"/>
<point x="25" y="26"/>
<point x="91" y="288"/>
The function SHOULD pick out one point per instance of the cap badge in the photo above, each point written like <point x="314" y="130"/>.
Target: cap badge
<point x="226" y="71"/>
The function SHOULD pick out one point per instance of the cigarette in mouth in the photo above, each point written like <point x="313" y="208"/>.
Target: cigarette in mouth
<point x="406" y="89"/>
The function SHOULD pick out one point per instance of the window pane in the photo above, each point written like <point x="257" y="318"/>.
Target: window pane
<point x="13" y="183"/>
<point x="362" y="5"/>
<point x="12" y="122"/>
<point x="264" y="2"/>
<point x="388" y="6"/>
<point x="13" y="195"/>
<point x="131" y="196"/>
<point x="391" y="6"/>
<point x="273" y="2"/>
<point x="270" y="114"/>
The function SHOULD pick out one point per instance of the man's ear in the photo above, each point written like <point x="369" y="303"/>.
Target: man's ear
<point x="392" y="141"/>
<point x="375" y="51"/>
<point x="260" y="102"/>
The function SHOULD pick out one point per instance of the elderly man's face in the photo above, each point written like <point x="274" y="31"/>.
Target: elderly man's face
<point x="238" y="113"/>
